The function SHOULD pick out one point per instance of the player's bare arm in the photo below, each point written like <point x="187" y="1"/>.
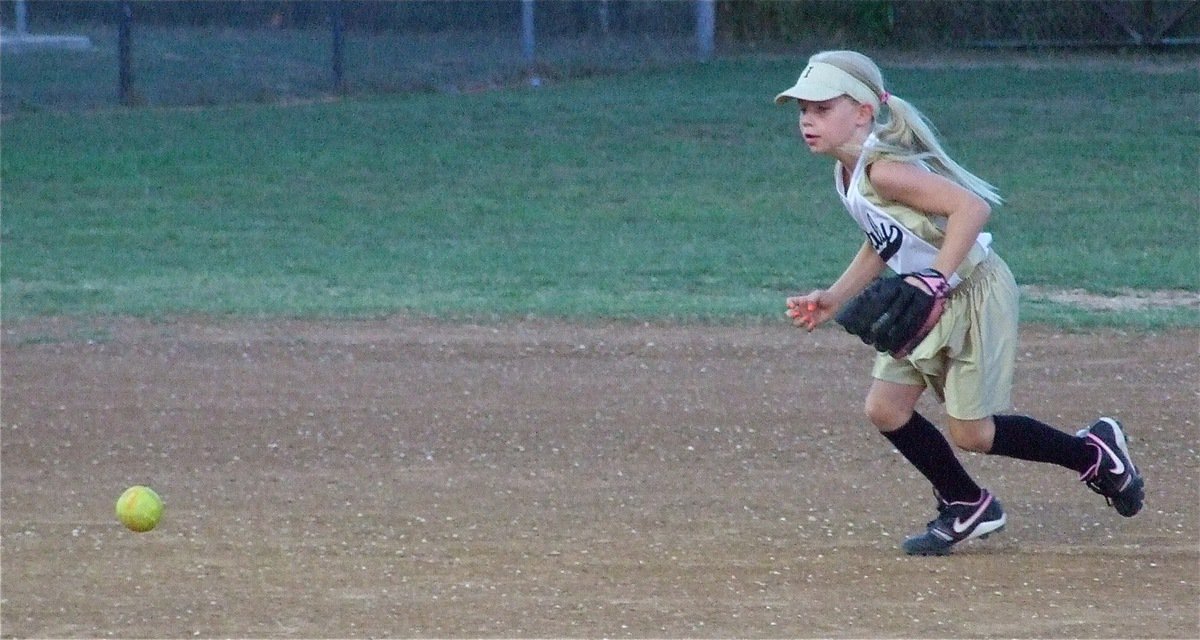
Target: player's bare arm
<point x="811" y="310"/>
<point x="865" y="267"/>
<point x="965" y="212"/>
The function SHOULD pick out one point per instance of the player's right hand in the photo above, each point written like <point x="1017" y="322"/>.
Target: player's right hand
<point x="811" y="310"/>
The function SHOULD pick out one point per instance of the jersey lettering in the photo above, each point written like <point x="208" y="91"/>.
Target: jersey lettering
<point x="902" y="248"/>
<point x="886" y="238"/>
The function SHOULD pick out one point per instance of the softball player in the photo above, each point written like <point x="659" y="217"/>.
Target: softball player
<point x="923" y="215"/>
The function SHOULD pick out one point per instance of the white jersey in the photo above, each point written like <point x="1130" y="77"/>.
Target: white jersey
<point x="905" y="239"/>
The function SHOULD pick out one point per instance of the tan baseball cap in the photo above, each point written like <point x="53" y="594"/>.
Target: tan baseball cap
<point x="821" y="81"/>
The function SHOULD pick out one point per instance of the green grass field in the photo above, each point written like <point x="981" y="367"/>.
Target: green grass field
<point x="677" y="194"/>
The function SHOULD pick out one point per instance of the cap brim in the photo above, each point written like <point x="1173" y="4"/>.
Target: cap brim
<point x="809" y="91"/>
<point x="821" y="81"/>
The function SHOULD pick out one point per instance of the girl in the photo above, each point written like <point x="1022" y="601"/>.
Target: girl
<point x="920" y="210"/>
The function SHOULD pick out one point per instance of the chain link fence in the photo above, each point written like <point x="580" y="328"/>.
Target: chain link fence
<point x="69" y="55"/>
<point x="212" y="52"/>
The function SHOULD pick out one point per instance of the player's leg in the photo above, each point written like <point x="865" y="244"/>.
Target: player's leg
<point x="970" y="371"/>
<point x="1024" y="438"/>
<point x="965" y="510"/>
<point x="891" y="408"/>
<point x="983" y="387"/>
<point x="1099" y="453"/>
<point x="890" y="405"/>
<point x="972" y="435"/>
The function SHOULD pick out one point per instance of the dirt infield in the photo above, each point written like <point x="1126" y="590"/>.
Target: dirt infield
<point x="407" y="478"/>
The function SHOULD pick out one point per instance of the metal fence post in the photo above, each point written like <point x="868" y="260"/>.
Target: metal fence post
<point x="527" y="31"/>
<point x="337" y="22"/>
<point x="125" y="91"/>
<point x="22" y="15"/>
<point x="706" y="26"/>
<point x="527" y="41"/>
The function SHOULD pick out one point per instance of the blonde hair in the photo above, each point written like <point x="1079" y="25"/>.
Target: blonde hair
<point x="907" y="135"/>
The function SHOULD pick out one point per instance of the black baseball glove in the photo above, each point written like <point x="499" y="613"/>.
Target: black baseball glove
<point x="894" y="315"/>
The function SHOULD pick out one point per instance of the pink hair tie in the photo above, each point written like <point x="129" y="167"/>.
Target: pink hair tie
<point x="883" y="97"/>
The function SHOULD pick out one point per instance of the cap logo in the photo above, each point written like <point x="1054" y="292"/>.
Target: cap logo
<point x="823" y="81"/>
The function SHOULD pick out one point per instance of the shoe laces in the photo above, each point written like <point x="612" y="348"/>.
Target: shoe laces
<point x="1095" y="476"/>
<point x="1092" y="473"/>
<point x="943" y="509"/>
<point x="1094" y="485"/>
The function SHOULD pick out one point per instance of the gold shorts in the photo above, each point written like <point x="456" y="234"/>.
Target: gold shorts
<point x="969" y="357"/>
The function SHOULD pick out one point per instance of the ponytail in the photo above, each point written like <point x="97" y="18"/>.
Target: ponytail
<point x="907" y="135"/>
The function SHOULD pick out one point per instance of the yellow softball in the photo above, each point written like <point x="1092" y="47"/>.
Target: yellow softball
<point x="139" y="508"/>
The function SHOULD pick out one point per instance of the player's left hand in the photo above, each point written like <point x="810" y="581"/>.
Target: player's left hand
<point x="895" y="314"/>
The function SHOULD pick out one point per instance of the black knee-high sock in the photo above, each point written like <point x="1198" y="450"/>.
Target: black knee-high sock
<point x="927" y="449"/>
<point x="1024" y="438"/>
